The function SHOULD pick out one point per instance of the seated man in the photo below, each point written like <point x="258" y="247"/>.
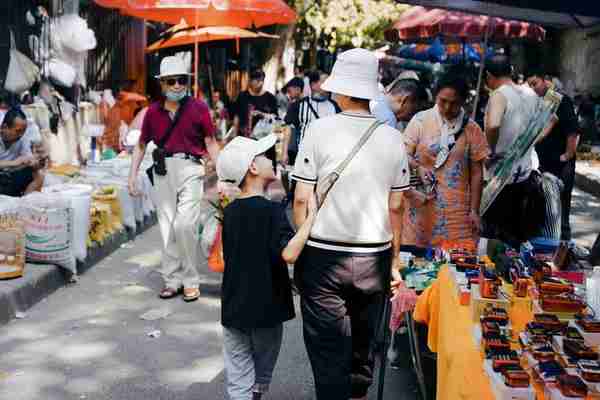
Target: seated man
<point x="20" y="169"/>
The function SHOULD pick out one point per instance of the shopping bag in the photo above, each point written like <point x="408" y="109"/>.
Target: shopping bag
<point x="61" y="72"/>
<point x="216" y="263"/>
<point x="22" y="73"/>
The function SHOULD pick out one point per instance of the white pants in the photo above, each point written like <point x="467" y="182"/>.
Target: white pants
<point x="178" y="197"/>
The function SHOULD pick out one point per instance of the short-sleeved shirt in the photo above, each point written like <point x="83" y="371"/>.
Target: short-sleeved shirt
<point x="188" y="136"/>
<point x="246" y="103"/>
<point x="355" y="214"/>
<point x="555" y="144"/>
<point x="256" y="291"/>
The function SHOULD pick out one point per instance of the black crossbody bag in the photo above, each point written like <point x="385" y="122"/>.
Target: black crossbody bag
<point x="159" y="154"/>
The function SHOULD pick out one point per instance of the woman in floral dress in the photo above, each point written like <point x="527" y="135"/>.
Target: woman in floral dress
<point x="447" y="149"/>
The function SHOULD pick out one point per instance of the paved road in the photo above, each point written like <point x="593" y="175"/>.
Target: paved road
<point x="87" y="341"/>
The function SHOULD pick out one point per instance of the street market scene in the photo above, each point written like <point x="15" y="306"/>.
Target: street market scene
<point x="299" y="199"/>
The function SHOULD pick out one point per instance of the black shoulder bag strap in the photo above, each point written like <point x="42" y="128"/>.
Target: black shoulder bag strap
<point x="159" y="154"/>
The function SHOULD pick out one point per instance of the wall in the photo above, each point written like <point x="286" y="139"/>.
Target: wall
<point x="579" y="65"/>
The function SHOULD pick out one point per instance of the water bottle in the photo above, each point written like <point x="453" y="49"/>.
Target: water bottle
<point x="592" y="290"/>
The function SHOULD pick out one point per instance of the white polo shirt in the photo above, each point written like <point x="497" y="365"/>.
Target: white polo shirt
<point x="355" y="215"/>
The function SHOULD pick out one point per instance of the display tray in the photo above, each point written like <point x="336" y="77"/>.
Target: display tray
<point x="562" y="316"/>
<point x="503" y="392"/>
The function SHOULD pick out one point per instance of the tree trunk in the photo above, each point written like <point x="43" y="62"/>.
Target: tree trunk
<point x="276" y="59"/>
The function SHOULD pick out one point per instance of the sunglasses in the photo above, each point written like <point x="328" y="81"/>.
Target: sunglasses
<point x="182" y="80"/>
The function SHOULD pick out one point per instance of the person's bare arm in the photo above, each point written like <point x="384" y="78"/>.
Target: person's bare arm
<point x="571" y="150"/>
<point x="138" y="156"/>
<point x="23" y="161"/>
<point x="395" y="210"/>
<point x="302" y="196"/>
<point x="493" y="118"/>
<point x="212" y="147"/>
<point x="295" y="246"/>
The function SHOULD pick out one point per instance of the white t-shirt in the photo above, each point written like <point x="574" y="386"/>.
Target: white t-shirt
<point x="511" y="109"/>
<point x="355" y="214"/>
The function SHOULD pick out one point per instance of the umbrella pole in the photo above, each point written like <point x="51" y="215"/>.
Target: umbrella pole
<point x="196" y="57"/>
<point x="481" y="67"/>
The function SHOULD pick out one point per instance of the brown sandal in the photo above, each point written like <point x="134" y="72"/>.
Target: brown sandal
<point x="169" y="293"/>
<point x="191" y="294"/>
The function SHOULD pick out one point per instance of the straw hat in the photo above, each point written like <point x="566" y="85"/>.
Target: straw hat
<point x="355" y="74"/>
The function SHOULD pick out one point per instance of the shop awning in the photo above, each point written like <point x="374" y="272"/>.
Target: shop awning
<point x="557" y="13"/>
<point x="420" y="23"/>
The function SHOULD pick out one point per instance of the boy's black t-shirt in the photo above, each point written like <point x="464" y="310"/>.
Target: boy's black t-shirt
<point x="256" y="291"/>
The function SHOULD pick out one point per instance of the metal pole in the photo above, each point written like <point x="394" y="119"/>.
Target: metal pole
<point x="196" y="56"/>
<point x="481" y="67"/>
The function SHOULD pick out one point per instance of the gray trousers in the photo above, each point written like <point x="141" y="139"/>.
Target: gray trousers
<point x="250" y="358"/>
<point x="178" y="199"/>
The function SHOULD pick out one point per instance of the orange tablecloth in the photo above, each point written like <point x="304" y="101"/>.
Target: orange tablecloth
<point x="459" y="360"/>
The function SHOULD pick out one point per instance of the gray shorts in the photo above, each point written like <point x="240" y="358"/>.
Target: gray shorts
<point x="250" y="358"/>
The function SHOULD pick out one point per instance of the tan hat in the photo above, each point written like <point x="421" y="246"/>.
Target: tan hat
<point x="355" y="74"/>
<point x="172" y="66"/>
<point x="235" y="159"/>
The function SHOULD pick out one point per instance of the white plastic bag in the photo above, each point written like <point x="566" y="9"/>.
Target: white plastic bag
<point x="61" y="72"/>
<point x="208" y="232"/>
<point x="22" y="73"/>
<point x="75" y="33"/>
<point x="49" y="233"/>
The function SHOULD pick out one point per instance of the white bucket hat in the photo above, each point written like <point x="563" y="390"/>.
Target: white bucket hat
<point x="172" y="66"/>
<point x="235" y="159"/>
<point x="355" y="74"/>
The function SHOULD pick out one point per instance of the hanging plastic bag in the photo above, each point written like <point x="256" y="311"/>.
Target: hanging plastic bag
<point x="216" y="263"/>
<point x="61" y="72"/>
<point x="22" y="73"/>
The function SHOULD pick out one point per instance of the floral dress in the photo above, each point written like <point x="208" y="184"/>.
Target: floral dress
<point x="445" y="218"/>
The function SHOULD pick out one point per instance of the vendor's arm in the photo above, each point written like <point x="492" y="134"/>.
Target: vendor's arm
<point x="478" y="152"/>
<point x="22" y="161"/>
<point x="493" y="118"/>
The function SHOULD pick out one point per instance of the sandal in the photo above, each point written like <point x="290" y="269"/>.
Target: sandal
<point x="169" y="293"/>
<point x="191" y="294"/>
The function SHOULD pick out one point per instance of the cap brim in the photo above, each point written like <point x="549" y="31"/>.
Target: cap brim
<point x="166" y="76"/>
<point x="265" y="144"/>
<point x="351" y="88"/>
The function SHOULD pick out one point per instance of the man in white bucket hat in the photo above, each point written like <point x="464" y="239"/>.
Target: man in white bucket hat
<point x="182" y="130"/>
<point x="345" y="270"/>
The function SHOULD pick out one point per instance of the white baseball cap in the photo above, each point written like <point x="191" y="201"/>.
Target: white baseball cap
<point x="355" y="74"/>
<point x="173" y="66"/>
<point x="235" y="159"/>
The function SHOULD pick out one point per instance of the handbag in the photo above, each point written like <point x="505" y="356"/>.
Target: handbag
<point x="160" y="154"/>
<point x="22" y="73"/>
<point x="325" y="185"/>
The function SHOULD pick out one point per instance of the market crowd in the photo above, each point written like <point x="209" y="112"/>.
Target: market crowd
<point x="375" y="166"/>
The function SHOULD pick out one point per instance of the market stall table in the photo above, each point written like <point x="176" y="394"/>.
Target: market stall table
<point x="460" y="365"/>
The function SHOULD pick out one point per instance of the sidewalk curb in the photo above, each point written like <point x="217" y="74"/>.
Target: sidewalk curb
<point x="587" y="184"/>
<point x="41" y="280"/>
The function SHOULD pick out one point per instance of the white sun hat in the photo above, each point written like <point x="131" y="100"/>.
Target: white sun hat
<point x="355" y="74"/>
<point x="173" y="66"/>
<point x="235" y="159"/>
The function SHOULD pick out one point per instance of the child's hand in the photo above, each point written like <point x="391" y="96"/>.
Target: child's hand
<point x="312" y="207"/>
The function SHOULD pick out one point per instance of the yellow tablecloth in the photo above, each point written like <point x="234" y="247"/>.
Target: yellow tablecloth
<point x="459" y="360"/>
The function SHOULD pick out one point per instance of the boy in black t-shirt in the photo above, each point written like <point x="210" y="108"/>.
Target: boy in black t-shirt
<point x="258" y="243"/>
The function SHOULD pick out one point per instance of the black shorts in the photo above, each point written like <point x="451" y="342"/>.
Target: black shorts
<point x="14" y="182"/>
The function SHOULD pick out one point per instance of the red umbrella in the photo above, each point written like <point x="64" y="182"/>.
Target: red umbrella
<point x="419" y="23"/>
<point x="238" y="13"/>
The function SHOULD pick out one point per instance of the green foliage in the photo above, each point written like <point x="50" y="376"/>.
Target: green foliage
<point x="345" y="23"/>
